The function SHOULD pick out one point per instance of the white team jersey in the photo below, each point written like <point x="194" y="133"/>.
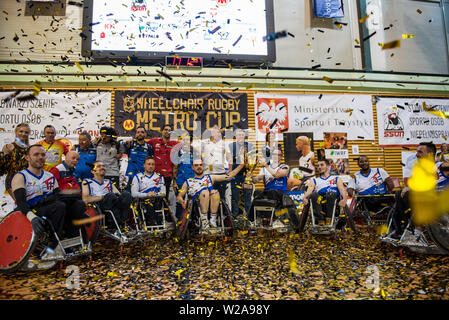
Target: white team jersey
<point x="143" y="183"/>
<point x="442" y="179"/>
<point x="322" y="186"/>
<point x="372" y="183"/>
<point x="306" y="162"/>
<point x="37" y="188"/>
<point x="196" y="185"/>
<point x="99" y="189"/>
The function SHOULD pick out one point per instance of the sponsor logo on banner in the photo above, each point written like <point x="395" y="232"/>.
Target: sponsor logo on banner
<point x="336" y="154"/>
<point x="393" y="125"/>
<point x="128" y="125"/>
<point x="139" y="5"/>
<point x="272" y="114"/>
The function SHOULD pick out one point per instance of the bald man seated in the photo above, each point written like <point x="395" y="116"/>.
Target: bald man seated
<point x="70" y="192"/>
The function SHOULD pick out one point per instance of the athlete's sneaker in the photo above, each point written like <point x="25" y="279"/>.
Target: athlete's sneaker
<point x="41" y="265"/>
<point x="213" y="221"/>
<point x="204" y="224"/>
<point x="53" y="255"/>
<point x="278" y="224"/>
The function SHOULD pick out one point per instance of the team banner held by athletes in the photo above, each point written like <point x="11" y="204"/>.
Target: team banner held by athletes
<point x="190" y="111"/>
<point x="409" y="121"/>
<point x="317" y="113"/>
<point x="70" y="112"/>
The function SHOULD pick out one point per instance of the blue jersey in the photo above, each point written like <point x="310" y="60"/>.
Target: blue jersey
<point x="442" y="179"/>
<point x="136" y="157"/>
<point x="82" y="170"/>
<point x="272" y="183"/>
<point x="323" y="186"/>
<point x="184" y="159"/>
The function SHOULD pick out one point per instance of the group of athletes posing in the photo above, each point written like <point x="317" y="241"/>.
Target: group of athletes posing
<point x="59" y="197"/>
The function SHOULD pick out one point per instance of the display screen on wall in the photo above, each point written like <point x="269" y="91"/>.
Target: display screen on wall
<point x="153" y="29"/>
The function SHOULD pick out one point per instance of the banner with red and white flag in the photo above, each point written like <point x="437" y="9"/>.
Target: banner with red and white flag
<point x="317" y="113"/>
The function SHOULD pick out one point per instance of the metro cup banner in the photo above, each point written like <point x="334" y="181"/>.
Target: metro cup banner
<point x="194" y="112"/>
<point x="328" y="8"/>
<point x="409" y="121"/>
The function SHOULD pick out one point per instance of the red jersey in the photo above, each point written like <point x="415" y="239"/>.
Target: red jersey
<point x="164" y="165"/>
<point x="65" y="177"/>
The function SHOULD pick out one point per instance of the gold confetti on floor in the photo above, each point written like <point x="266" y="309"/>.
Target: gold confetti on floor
<point x="244" y="267"/>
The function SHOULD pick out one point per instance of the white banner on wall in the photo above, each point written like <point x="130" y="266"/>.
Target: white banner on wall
<point x="69" y="112"/>
<point x="317" y="113"/>
<point x="404" y="121"/>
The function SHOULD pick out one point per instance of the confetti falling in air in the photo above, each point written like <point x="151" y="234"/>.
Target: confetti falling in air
<point x="390" y="45"/>
<point x="427" y="204"/>
<point x="277" y="35"/>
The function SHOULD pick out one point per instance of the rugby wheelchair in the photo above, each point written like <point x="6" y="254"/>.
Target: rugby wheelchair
<point x="109" y="227"/>
<point x="190" y="225"/>
<point x="433" y="239"/>
<point x="22" y="250"/>
<point x="272" y="210"/>
<point x="160" y="222"/>
<point x="338" y="220"/>
<point x="372" y="209"/>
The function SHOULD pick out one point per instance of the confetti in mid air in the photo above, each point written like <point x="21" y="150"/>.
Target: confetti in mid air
<point x="390" y="45"/>
<point x="427" y="204"/>
<point x="276" y="35"/>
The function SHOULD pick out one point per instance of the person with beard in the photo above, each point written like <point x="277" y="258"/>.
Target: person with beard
<point x="162" y="149"/>
<point x="87" y="154"/>
<point x="370" y="181"/>
<point x="55" y="149"/>
<point x="201" y="187"/>
<point x="328" y="188"/>
<point x="137" y="150"/>
<point x="105" y="194"/>
<point x="36" y="192"/>
<point x="109" y="152"/>
<point x="402" y="212"/>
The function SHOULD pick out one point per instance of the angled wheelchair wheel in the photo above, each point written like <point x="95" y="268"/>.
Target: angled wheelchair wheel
<point x="17" y="241"/>
<point x="439" y="232"/>
<point x="349" y="218"/>
<point x="90" y="233"/>
<point x="186" y="221"/>
<point x="303" y="218"/>
<point x="227" y="219"/>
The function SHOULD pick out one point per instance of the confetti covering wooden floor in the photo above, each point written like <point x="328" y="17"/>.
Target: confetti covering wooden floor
<point x="245" y="267"/>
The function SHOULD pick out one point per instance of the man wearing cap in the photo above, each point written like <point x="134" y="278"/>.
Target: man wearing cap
<point x="109" y="152"/>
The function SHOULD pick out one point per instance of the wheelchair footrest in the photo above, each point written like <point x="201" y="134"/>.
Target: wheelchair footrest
<point x="72" y="242"/>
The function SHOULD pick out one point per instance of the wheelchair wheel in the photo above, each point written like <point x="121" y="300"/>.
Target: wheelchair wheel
<point x="439" y="232"/>
<point x="303" y="218"/>
<point x="90" y="233"/>
<point x="349" y="218"/>
<point x="227" y="219"/>
<point x="17" y="241"/>
<point x="187" y="221"/>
